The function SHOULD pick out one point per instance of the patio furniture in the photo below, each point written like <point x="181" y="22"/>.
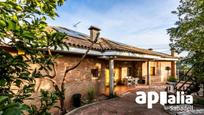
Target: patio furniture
<point x="135" y="80"/>
<point x="130" y="80"/>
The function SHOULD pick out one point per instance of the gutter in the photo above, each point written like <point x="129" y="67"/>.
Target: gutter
<point x="108" y="54"/>
<point x="82" y="51"/>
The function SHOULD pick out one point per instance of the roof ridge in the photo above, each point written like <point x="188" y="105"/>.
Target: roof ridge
<point x="105" y="40"/>
<point x="119" y="43"/>
<point x="128" y="47"/>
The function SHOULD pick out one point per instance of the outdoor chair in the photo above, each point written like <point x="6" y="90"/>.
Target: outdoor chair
<point x="130" y="80"/>
<point x="135" y="81"/>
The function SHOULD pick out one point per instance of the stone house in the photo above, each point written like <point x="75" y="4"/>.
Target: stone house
<point x="108" y="64"/>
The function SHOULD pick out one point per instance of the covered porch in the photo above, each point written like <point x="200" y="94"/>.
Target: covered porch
<point x="123" y="74"/>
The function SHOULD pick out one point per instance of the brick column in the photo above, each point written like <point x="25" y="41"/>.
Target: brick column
<point x="173" y="69"/>
<point x="173" y="63"/>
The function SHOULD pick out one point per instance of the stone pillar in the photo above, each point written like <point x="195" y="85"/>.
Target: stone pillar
<point x="148" y="74"/>
<point x="111" y="77"/>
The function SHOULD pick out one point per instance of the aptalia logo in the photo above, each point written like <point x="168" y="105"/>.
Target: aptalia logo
<point x="153" y="97"/>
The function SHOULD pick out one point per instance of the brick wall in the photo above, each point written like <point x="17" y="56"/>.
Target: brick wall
<point x="78" y="80"/>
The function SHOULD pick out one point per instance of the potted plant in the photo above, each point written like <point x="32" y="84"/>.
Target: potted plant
<point x="171" y="81"/>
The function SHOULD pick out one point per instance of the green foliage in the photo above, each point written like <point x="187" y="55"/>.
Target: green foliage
<point x="91" y="94"/>
<point x="188" y="30"/>
<point x="182" y="66"/>
<point x="199" y="101"/>
<point x="188" y="34"/>
<point x="23" y="28"/>
<point x="8" y="107"/>
<point x="48" y="100"/>
<point x="171" y="79"/>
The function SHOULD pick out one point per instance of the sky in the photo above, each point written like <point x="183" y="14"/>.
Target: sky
<point x="141" y="23"/>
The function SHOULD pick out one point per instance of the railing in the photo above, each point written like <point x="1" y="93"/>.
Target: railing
<point x="189" y="78"/>
<point x="190" y="85"/>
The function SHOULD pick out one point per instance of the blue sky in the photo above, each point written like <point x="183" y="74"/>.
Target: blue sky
<point x="141" y="23"/>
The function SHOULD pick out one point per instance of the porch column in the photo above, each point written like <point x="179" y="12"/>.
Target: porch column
<point x="148" y="73"/>
<point x="173" y="69"/>
<point x="111" y="78"/>
<point x="173" y="63"/>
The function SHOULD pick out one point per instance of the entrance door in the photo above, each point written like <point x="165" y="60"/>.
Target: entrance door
<point x="107" y="76"/>
<point x="117" y="76"/>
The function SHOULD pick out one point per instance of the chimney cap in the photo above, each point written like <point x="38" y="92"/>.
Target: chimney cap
<point x="150" y="49"/>
<point x="94" y="28"/>
<point x="173" y="49"/>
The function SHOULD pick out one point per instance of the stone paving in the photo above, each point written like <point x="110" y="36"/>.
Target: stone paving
<point x="124" y="105"/>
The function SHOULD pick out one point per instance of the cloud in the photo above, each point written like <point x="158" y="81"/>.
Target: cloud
<point x="140" y="23"/>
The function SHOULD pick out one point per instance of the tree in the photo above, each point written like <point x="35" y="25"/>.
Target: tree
<point x="188" y="34"/>
<point x="59" y="88"/>
<point x="23" y="29"/>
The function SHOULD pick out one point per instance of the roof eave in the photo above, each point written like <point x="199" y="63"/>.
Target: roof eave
<point x="112" y="53"/>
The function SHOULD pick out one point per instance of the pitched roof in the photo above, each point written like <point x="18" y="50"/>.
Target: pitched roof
<point x="80" y="40"/>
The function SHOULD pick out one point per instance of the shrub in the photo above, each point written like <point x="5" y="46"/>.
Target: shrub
<point x="91" y="94"/>
<point x="171" y="79"/>
<point x="199" y="101"/>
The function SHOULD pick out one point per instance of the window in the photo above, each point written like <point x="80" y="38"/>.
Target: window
<point x="152" y="71"/>
<point x="95" y="72"/>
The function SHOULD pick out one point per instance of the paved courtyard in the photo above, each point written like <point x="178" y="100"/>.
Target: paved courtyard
<point x="124" y="105"/>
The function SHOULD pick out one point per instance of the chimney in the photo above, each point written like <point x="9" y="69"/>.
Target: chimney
<point x="173" y="52"/>
<point x="150" y="49"/>
<point x="93" y="32"/>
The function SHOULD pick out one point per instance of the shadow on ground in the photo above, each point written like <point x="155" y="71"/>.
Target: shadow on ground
<point x="124" y="105"/>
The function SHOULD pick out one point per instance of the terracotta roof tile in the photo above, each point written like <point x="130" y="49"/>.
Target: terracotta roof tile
<point x="77" y="39"/>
